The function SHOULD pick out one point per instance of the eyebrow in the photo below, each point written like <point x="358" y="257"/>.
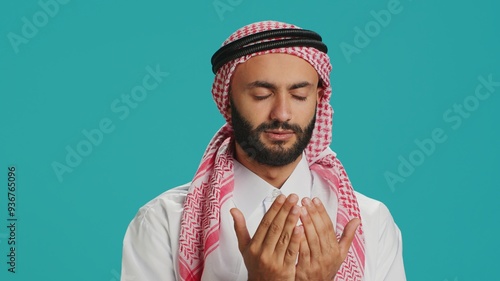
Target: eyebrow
<point x="271" y="86"/>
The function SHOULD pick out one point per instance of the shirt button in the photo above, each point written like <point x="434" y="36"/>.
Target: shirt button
<point x="276" y="193"/>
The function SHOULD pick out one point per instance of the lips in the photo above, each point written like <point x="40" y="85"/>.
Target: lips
<point x="279" y="135"/>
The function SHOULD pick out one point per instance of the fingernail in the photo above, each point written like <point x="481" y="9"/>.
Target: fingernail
<point x="295" y="209"/>
<point x="304" y="211"/>
<point x="306" y="201"/>
<point x="317" y="201"/>
<point x="281" y="198"/>
<point x="292" y="198"/>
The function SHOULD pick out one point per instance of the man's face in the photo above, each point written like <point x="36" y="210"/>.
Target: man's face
<point x="273" y="105"/>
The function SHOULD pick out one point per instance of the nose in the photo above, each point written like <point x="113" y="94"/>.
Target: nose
<point x="281" y="110"/>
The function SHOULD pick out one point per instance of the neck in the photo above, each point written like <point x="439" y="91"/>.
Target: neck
<point x="275" y="176"/>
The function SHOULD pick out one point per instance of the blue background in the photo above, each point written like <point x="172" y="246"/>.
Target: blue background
<point x="394" y="90"/>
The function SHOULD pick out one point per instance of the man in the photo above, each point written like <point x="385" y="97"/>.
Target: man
<point x="270" y="200"/>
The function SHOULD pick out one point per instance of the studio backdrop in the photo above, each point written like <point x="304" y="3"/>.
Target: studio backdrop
<point x="104" y="105"/>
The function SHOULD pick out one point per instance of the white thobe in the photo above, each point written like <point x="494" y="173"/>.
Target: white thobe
<point x="150" y="246"/>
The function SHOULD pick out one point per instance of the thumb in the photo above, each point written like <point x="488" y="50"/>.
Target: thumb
<point x="347" y="236"/>
<point x="240" y="227"/>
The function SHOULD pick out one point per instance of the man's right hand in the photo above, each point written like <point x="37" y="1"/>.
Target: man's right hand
<point x="272" y="252"/>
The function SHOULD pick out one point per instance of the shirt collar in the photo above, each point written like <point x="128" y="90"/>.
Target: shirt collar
<point x="250" y="191"/>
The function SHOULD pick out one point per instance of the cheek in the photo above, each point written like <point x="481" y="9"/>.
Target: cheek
<point x="306" y="112"/>
<point x="256" y="113"/>
<point x="252" y="115"/>
<point x="256" y="116"/>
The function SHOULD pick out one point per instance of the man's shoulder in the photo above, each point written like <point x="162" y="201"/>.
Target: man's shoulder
<point x="375" y="216"/>
<point x="367" y="203"/>
<point x="174" y="195"/>
<point x="166" y="204"/>
<point x="372" y="208"/>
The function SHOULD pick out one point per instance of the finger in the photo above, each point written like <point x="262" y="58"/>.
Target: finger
<point x="277" y="227"/>
<point x="310" y="233"/>
<point x="304" y="252"/>
<point x="268" y="218"/>
<point x="292" y="251"/>
<point x="323" y="213"/>
<point x="319" y="226"/>
<point x="282" y="248"/>
<point x="347" y="236"/>
<point x="327" y="231"/>
<point x="240" y="227"/>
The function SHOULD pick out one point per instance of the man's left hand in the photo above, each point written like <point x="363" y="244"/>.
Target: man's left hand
<point x="320" y="254"/>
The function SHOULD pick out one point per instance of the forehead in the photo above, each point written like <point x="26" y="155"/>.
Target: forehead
<point x="280" y="68"/>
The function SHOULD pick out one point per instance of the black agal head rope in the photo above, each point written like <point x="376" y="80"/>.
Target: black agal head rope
<point x="247" y="45"/>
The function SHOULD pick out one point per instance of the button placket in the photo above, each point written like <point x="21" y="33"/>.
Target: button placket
<point x="270" y="199"/>
<point x="275" y="193"/>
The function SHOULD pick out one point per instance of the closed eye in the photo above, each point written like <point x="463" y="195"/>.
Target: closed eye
<point x="261" y="97"/>
<point x="300" y="98"/>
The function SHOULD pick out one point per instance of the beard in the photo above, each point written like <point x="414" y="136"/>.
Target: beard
<point x="276" y="155"/>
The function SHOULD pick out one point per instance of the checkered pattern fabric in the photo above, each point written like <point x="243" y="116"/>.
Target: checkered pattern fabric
<point x="212" y="184"/>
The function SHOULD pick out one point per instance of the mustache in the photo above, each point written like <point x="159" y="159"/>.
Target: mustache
<point x="275" y="125"/>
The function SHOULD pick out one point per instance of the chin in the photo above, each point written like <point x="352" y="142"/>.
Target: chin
<point x="283" y="144"/>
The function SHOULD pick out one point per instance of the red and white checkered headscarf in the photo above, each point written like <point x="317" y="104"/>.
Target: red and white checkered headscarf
<point x="213" y="183"/>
